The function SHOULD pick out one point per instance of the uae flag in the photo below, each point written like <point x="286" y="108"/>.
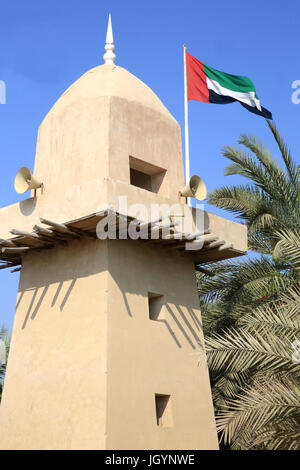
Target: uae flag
<point x="212" y="86"/>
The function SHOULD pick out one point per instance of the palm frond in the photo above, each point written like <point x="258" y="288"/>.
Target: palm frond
<point x="260" y="243"/>
<point x="245" y="165"/>
<point x="278" y="317"/>
<point x="241" y="350"/>
<point x="290" y="164"/>
<point x="283" y="436"/>
<point x="253" y="207"/>
<point x="271" y="166"/>
<point x="288" y="246"/>
<point x="266" y="403"/>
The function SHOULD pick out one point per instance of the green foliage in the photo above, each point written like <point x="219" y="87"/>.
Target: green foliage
<point x="251" y="307"/>
<point x="269" y="399"/>
<point x="5" y="342"/>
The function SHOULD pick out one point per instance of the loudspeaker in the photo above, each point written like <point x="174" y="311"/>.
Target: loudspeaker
<point x="195" y="188"/>
<point x="24" y="181"/>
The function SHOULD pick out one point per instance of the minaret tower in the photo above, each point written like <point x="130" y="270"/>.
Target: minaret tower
<point x="107" y="348"/>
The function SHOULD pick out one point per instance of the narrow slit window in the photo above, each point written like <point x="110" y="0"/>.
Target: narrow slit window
<point x="155" y="303"/>
<point x="163" y="410"/>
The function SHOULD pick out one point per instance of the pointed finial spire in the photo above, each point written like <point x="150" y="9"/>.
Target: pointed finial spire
<point x="109" y="56"/>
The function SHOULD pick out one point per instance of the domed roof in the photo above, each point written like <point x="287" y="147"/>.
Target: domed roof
<point x="111" y="80"/>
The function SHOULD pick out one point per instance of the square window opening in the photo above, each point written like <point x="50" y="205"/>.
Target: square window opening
<point x="140" y="179"/>
<point x="145" y="175"/>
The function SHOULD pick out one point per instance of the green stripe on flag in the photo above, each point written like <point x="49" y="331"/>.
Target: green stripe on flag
<point x="231" y="82"/>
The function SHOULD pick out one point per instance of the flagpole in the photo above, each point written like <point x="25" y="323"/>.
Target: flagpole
<point x="186" y="126"/>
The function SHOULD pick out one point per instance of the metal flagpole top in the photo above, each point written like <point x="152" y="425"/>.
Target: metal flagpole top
<point x="186" y="126"/>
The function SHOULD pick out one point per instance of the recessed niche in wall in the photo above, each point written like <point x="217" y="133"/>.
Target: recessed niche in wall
<point x="145" y="175"/>
<point x="163" y="407"/>
<point x="155" y="302"/>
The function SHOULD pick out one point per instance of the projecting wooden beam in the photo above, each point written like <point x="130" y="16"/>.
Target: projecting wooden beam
<point x="83" y="233"/>
<point x="186" y="238"/>
<point x="195" y="235"/>
<point x="150" y="223"/>
<point x="8" y="265"/>
<point x="206" y="239"/>
<point x="199" y="242"/>
<point x="103" y="213"/>
<point x="218" y="245"/>
<point x="17" y="250"/>
<point x="6" y="242"/>
<point x="167" y="225"/>
<point x="68" y="229"/>
<point x="50" y="235"/>
<point x="31" y="236"/>
<point x="59" y="227"/>
<point x="215" y="244"/>
<point x="179" y="236"/>
<point x="227" y="246"/>
<point x="44" y="230"/>
<point x="15" y="270"/>
<point x="22" y="233"/>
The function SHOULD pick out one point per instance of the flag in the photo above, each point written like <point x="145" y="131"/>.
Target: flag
<point x="212" y="86"/>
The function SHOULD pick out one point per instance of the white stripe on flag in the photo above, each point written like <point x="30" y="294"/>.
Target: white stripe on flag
<point x="248" y="98"/>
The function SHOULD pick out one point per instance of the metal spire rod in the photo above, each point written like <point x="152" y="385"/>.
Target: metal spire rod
<point x="109" y="56"/>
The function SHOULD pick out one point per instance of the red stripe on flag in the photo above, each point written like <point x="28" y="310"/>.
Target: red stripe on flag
<point x="196" y="80"/>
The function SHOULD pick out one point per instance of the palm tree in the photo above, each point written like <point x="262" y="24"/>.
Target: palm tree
<point x="270" y="203"/>
<point x="251" y="307"/>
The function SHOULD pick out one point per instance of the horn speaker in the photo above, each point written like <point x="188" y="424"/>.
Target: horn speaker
<point x="195" y="188"/>
<point x="25" y="180"/>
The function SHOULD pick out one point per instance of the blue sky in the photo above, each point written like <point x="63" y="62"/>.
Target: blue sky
<point x="45" y="46"/>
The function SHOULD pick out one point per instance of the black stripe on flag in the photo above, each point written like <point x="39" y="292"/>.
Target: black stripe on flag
<point x="221" y="99"/>
<point x="264" y="112"/>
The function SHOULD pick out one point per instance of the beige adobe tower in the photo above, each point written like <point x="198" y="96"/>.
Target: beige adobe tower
<point x="107" y="345"/>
